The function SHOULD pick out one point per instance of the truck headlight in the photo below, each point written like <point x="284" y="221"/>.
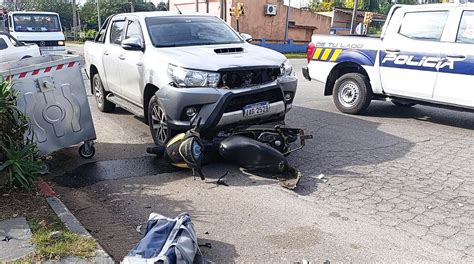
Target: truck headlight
<point x="60" y="43"/>
<point x="286" y="68"/>
<point x="192" y="78"/>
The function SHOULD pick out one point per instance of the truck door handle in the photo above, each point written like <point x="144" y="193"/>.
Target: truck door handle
<point x="455" y="56"/>
<point x="122" y="57"/>
<point x="392" y="50"/>
<point x="106" y="53"/>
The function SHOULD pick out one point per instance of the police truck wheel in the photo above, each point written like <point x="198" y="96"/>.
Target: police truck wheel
<point x="352" y="93"/>
<point x="101" y="95"/>
<point x="160" y="130"/>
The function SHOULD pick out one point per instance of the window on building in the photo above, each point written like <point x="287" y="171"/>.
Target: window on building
<point x="116" y="32"/>
<point x="466" y="28"/>
<point x="424" y="25"/>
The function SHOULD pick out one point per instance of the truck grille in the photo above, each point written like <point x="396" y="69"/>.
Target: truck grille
<point x="249" y="77"/>
<point x="46" y="43"/>
<point x="238" y="102"/>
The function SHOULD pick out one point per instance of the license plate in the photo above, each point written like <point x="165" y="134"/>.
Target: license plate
<point x="256" y="109"/>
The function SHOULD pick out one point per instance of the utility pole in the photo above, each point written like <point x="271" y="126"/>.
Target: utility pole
<point x="287" y="21"/>
<point x="354" y="16"/>
<point x="207" y="6"/>
<point x="74" y="19"/>
<point x="99" y="23"/>
<point x="132" y="8"/>
<point x="197" y="5"/>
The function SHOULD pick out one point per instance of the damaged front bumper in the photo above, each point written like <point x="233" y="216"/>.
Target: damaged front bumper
<point x="219" y="108"/>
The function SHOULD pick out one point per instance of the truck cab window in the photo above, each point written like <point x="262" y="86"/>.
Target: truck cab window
<point x="424" y="25"/>
<point x="466" y="28"/>
<point x="116" y="32"/>
<point x="133" y="30"/>
<point x="3" y="44"/>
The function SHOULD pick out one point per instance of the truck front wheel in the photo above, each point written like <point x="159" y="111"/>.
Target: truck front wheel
<point x="352" y="93"/>
<point x="160" y="130"/>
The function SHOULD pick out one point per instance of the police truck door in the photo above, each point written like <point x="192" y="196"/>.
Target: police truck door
<point x="411" y="53"/>
<point x="455" y="81"/>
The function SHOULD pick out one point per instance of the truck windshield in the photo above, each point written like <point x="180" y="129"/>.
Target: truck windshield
<point x="36" y="23"/>
<point x="176" y="31"/>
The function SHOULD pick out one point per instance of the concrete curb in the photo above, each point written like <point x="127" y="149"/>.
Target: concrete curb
<point x="70" y="221"/>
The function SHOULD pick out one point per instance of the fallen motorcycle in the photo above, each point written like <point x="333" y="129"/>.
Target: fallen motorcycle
<point x="254" y="148"/>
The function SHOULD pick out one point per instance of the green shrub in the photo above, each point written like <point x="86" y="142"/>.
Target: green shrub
<point x="18" y="155"/>
<point x="90" y="34"/>
<point x="21" y="165"/>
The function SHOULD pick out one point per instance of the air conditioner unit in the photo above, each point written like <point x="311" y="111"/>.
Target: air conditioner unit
<point x="270" y="10"/>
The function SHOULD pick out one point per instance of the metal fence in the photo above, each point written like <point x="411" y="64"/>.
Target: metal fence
<point x="292" y="46"/>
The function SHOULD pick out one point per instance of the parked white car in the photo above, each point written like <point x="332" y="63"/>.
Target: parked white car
<point x="13" y="50"/>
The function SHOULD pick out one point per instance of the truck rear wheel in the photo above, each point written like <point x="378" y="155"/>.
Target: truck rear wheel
<point x="101" y="95"/>
<point x="352" y="93"/>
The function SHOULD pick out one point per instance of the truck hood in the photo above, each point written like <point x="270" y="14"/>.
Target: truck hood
<point x="38" y="36"/>
<point x="206" y="57"/>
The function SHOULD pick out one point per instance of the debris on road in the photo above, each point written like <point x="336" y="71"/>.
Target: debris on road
<point x="322" y="177"/>
<point x="139" y="229"/>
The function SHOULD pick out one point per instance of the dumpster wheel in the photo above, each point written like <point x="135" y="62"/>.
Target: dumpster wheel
<point x="87" y="150"/>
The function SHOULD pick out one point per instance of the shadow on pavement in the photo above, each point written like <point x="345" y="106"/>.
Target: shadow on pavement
<point x="455" y="118"/>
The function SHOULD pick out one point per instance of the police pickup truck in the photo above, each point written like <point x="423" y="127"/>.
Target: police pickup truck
<point x="425" y="55"/>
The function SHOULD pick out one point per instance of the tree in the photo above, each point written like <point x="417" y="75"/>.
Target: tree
<point x="162" y="6"/>
<point x="384" y="7"/>
<point x="407" y="2"/>
<point x="324" y="5"/>
<point x="350" y="4"/>
<point x="88" y="11"/>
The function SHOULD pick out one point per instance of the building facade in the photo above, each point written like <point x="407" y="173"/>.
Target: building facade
<point x="257" y="21"/>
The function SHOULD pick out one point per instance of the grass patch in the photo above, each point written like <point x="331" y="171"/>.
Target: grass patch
<point x="295" y="55"/>
<point x="53" y="240"/>
<point x="43" y="222"/>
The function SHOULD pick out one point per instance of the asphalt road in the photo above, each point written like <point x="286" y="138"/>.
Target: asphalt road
<point x="397" y="187"/>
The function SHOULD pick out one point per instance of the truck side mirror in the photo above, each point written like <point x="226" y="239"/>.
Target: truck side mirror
<point x="133" y="43"/>
<point x="246" y="37"/>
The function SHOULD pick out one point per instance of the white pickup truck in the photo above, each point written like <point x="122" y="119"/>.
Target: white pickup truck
<point x="172" y="68"/>
<point x="13" y="50"/>
<point x="425" y="55"/>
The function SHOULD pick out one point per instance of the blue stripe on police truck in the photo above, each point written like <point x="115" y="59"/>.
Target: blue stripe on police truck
<point x="427" y="62"/>
<point x="359" y="56"/>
